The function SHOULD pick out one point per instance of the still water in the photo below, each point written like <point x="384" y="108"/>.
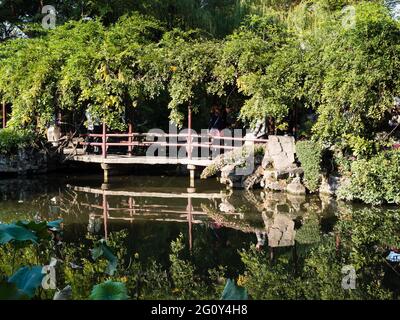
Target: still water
<point x="216" y="224"/>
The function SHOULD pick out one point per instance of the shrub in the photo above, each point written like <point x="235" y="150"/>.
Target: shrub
<point x="309" y="154"/>
<point x="11" y="140"/>
<point x="374" y="181"/>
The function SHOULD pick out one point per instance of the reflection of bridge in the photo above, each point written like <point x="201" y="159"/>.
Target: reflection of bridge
<point x="135" y="212"/>
<point x="130" y="206"/>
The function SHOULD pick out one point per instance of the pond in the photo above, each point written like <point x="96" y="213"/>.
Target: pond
<point x="276" y="245"/>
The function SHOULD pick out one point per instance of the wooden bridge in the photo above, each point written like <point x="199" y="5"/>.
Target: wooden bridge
<point x="185" y="148"/>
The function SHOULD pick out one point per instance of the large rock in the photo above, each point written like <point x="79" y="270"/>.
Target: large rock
<point x="273" y="184"/>
<point x="281" y="150"/>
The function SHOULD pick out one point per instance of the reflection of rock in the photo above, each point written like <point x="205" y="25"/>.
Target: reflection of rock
<point x="296" y="201"/>
<point x="329" y="185"/>
<point x="280" y="231"/>
<point x="273" y="184"/>
<point x="296" y="187"/>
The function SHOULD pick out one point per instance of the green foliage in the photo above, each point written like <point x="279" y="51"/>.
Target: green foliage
<point x="76" y="66"/>
<point x="12" y="140"/>
<point x="186" y="283"/>
<point x="109" y="290"/>
<point x="309" y="154"/>
<point x="102" y="250"/>
<point x="286" y="59"/>
<point x="309" y="232"/>
<point x="374" y="181"/>
<point x="263" y="279"/>
<point x="360" y="239"/>
<point x="353" y="96"/>
<point x="9" y="291"/>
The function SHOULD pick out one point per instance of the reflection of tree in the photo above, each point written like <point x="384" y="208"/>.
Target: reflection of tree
<point x="365" y="236"/>
<point x="229" y="221"/>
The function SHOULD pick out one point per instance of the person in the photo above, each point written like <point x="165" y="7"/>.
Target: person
<point x="54" y="131"/>
<point x="216" y="125"/>
<point x="217" y="121"/>
<point x="261" y="238"/>
<point x="93" y="126"/>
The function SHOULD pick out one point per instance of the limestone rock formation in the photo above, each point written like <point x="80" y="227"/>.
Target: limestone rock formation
<point x="282" y="150"/>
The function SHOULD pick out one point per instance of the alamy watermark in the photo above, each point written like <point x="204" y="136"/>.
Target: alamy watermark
<point x="208" y="145"/>
<point x="49" y="281"/>
<point x="50" y="18"/>
<point x="349" y="278"/>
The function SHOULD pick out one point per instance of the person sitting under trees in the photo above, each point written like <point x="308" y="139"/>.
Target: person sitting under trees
<point x="93" y="127"/>
<point x="217" y="121"/>
<point x="216" y="125"/>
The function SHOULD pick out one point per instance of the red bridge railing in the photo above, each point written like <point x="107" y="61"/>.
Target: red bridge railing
<point x="187" y="140"/>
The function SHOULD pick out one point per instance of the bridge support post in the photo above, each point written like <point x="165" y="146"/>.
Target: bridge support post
<point x="191" y="169"/>
<point x="106" y="169"/>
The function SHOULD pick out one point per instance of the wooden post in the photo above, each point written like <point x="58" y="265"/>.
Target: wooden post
<point x="104" y="146"/>
<point x="4" y="114"/>
<point x="105" y="215"/>
<point x="131" y="209"/>
<point x="190" y="223"/>
<point x="130" y="147"/>
<point x="191" y="169"/>
<point x="106" y="169"/>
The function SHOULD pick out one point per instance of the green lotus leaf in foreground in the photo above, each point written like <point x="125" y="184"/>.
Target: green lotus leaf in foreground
<point x="55" y="225"/>
<point x="233" y="292"/>
<point x="27" y="280"/>
<point x="109" y="290"/>
<point x="38" y="228"/>
<point x="14" y="232"/>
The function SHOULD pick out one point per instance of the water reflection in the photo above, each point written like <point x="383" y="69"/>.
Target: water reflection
<point x="303" y="238"/>
<point x="271" y="218"/>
